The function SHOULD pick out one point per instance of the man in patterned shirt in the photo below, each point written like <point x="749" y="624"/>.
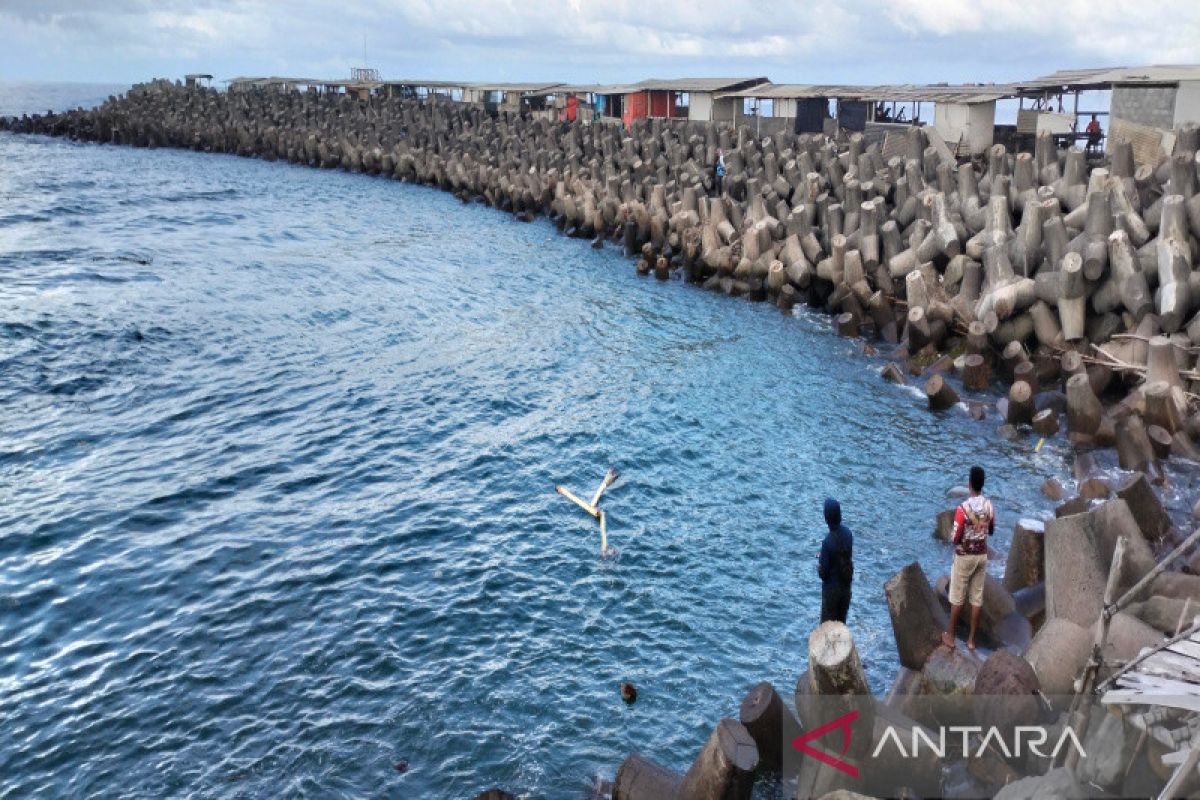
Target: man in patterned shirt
<point x="974" y="522"/>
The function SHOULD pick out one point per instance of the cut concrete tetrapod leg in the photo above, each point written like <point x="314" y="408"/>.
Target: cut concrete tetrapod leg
<point x="769" y="722"/>
<point x="1026" y="555"/>
<point x="918" y="620"/>
<point x="724" y="769"/>
<point x="639" y="778"/>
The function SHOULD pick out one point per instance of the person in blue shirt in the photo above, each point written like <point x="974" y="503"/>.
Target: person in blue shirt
<point x="835" y="565"/>
<point x="719" y="173"/>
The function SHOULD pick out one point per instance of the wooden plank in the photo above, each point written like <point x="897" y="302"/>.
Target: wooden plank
<point x="1144" y="679"/>
<point x="939" y="144"/>
<point x="1147" y="142"/>
<point x="1170" y="665"/>
<point x="1187" y="648"/>
<point x="1027" y="121"/>
<point x="1181" y="775"/>
<point x="1136" y="698"/>
<point x="894" y="144"/>
<point x="1176" y="758"/>
<point x="1161" y="686"/>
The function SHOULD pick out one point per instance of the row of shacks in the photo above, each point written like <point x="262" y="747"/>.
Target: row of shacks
<point x="1145" y="104"/>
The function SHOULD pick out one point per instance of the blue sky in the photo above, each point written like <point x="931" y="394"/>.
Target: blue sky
<point x="815" y="41"/>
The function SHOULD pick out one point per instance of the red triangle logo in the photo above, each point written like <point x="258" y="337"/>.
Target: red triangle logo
<point x="842" y="723"/>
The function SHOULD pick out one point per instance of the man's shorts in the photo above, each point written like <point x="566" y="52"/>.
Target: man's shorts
<point x="966" y="579"/>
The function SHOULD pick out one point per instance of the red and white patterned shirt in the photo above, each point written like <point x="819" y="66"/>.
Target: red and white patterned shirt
<point x="974" y="521"/>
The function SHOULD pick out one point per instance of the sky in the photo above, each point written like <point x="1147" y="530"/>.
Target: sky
<point x="616" y="41"/>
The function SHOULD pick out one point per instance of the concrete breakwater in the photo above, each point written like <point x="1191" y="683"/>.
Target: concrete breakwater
<point x="503" y="164"/>
<point x="1072" y="284"/>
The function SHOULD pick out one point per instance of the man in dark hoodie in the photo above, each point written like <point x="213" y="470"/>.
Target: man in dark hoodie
<point x="835" y="566"/>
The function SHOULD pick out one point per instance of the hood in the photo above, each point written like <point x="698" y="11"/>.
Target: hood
<point x="833" y="512"/>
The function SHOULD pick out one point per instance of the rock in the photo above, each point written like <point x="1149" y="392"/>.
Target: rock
<point x="950" y="672"/>
<point x="1057" y="784"/>
<point x="990" y="769"/>
<point x="917" y="617"/>
<point x="1004" y="691"/>
<point x="1053" y="489"/>
<point x="1057" y="654"/>
<point x="495" y="794"/>
<point x="1108" y="752"/>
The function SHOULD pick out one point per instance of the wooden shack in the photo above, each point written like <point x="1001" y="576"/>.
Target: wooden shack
<point x="694" y="99"/>
<point x="1145" y="104"/>
<point x="508" y="96"/>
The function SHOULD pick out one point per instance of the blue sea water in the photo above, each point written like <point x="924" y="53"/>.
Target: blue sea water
<point x="278" y="450"/>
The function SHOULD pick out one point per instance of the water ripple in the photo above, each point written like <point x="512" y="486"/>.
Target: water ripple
<point x="277" y="458"/>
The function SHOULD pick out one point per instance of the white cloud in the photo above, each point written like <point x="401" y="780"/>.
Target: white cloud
<point x="1129" y="32"/>
<point x="856" y="41"/>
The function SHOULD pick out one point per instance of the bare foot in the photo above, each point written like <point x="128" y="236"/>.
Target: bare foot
<point x="970" y="645"/>
<point x="948" y="640"/>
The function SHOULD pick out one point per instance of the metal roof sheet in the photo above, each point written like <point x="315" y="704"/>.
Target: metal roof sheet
<point x="425" y="84"/>
<point x="1097" y="77"/>
<point x="526" y="88"/>
<point x="944" y="93"/>
<point x="595" y="88"/>
<point x="695" y="84"/>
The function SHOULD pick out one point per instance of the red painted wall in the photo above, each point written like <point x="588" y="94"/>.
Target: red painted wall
<point x="637" y="106"/>
<point x="660" y="104"/>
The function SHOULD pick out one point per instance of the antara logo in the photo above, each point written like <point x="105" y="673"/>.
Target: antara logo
<point x="841" y="723"/>
<point x="1023" y="739"/>
<point x="1031" y="737"/>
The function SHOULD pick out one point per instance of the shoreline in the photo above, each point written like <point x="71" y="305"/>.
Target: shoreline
<point x="841" y="248"/>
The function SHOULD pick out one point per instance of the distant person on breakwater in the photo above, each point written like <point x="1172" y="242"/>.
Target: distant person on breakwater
<point x="719" y="173"/>
<point x="1094" y="135"/>
<point x="835" y="565"/>
<point x="974" y="522"/>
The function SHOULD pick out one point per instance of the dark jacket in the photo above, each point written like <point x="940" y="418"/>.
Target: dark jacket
<point x="836" y="564"/>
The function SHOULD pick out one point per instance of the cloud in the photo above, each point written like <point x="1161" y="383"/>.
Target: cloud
<point x="1125" y="32"/>
<point x="855" y="41"/>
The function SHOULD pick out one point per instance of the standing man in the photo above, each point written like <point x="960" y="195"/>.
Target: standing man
<point x="974" y="522"/>
<point x="719" y="172"/>
<point x="835" y="566"/>
<point x="1094" y="134"/>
